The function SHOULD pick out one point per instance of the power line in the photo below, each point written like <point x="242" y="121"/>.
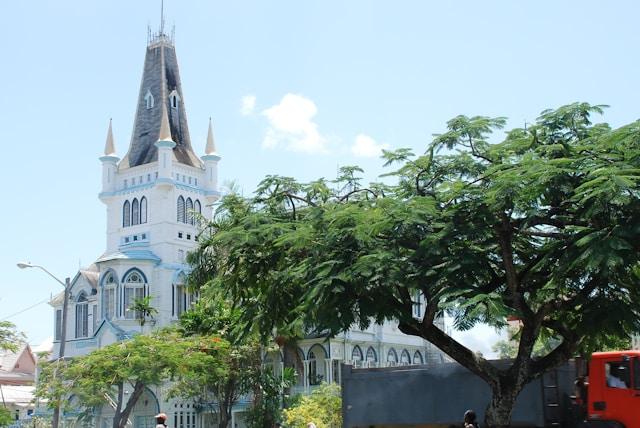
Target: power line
<point x="24" y="310"/>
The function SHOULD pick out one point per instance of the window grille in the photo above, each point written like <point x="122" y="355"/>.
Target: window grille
<point x="189" y="211"/>
<point x="133" y="290"/>
<point x="181" y="213"/>
<point x="135" y="212"/>
<point x="143" y="210"/>
<point x="126" y="214"/>
<point x="58" y="332"/>
<point x="82" y="317"/>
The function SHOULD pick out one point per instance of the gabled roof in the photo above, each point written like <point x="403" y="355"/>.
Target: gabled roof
<point x="160" y="89"/>
<point x="9" y="359"/>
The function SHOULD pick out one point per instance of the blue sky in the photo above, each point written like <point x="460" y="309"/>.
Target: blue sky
<point x="294" y="88"/>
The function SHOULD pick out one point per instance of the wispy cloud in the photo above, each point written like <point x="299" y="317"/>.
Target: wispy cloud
<point x="365" y="146"/>
<point x="291" y="126"/>
<point x="248" y="105"/>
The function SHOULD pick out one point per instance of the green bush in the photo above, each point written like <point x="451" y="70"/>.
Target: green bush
<point x="323" y="407"/>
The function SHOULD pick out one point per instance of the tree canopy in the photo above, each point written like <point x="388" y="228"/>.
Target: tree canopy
<point x="102" y="376"/>
<point x="542" y="225"/>
<point x="9" y="337"/>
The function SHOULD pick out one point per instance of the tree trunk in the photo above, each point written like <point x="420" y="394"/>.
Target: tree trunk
<point x="225" y="415"/>
<point x="498" y="412"/>
<point x="121" y="418"/>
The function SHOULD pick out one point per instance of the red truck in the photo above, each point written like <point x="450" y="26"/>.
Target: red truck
<point x="613" y="390"/>
<point x="604" y="394"/>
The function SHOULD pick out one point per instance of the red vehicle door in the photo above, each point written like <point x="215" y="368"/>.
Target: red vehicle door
<point x="616" y="388"/>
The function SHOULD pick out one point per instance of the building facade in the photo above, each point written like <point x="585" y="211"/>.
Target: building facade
<point x="156" y="196"/>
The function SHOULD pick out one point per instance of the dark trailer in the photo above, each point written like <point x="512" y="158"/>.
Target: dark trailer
<point x="438" y="395"/>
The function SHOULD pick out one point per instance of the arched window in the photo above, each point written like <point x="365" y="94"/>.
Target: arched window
<point x="133" y="290"/>
<point x="181" y="216"/>
<point x="82" y="316"/>
<point x="109" y="293"/>
<point x="143" y="210"/>
<point x="392" y="357"/>
<point x="372" y="358"/>
<point x="135" y="212"/>
<point x="197" y="209"/>
<point x="405" y="358"/>
<point x="356" y="356"/>
<point x="149" y="99"/>
<point x="126" y="214"/>
<point x="417" y="358"/>
<point x="189" y="211"/>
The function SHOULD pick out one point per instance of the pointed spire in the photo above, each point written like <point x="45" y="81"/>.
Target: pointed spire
<point x="109" y="147"/>
<point x="165" y="131"/>
<point x="210" y="148"/>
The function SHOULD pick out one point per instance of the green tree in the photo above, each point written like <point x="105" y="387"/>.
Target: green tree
<point x="323" y="407"/>
<point x="240" y="362"/>
<point x="102" y="376"/>
<point x="541" y="226"/>
<point x="9" y="337"/>
<point x="143" y="309"/>
<point x="6" y="418"/>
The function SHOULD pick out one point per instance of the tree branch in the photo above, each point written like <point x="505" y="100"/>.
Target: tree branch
<point x="346" y="197"/>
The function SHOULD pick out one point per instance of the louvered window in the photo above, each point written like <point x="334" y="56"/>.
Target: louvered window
<point x="143" y="210"/>
<point x="133" y="290"/>
<point x="126" y="214"/>
<point x="109" y="297"/>
<point x="189" y="211"/>
<point x="135" y="212"/>
<point x="197" y="209"/>
<point x="181" y="213"/>
<point x="82" y="317"/>
<point x="58" y="332"/>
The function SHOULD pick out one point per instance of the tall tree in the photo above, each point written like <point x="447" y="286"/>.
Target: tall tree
<point x="210" y="319"/>
<point x="543" y="226"/>
<point x="102" y="376"/>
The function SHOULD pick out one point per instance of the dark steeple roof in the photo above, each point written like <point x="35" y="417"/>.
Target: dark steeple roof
<point x="160" y="85"/>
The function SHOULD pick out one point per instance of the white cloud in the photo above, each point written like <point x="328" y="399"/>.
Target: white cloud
<point x="291" y="126"/>
<point x="367" y="147"/>
<point x="248" y="105"/>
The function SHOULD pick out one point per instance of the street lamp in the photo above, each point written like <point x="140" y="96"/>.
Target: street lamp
<point x="63" y="333"/>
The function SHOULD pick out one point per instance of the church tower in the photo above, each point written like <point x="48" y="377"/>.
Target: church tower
<point x="156" y="197"/>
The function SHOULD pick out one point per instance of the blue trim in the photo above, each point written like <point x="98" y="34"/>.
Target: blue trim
<point x="104" y="275"/>
<point x="375" y="354"/>
<point x="144" y="255"/>
<point x="165" y="143"/>
<point x="109" y="158"/>
<point x="184" y="186"/>
<point x="211" y="157"/>
<point x="213" y="193"/>
<point x="134" y="244"/>
<point x="173" y="266"/>
<point x="177" y="273"/>
<point x="362" y="356"/>
<point x="134" y="269"/>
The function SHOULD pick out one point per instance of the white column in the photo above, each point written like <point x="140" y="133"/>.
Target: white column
<point x="306" y="375"/>
<point x="328" y="369"/>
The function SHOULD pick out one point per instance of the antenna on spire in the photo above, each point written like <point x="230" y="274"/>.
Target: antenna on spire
<point x="161" y="17"/>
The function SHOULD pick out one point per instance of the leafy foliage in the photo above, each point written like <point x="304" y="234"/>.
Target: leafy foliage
<point x="9" y="337"/>
<point x="238" y="363"/>
<point x="267" y="397"/>
<point x="6" y="418"/>
<point x="143" y="307"/>
<point x="542" y="226"/>
<point x="323" y="407"/>
<point x="101" y="376"/>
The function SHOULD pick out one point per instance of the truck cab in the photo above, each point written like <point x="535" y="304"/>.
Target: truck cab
<point x="614" y="389"/>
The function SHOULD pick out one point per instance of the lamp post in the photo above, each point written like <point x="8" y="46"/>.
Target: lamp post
<point x="63" y="328"/>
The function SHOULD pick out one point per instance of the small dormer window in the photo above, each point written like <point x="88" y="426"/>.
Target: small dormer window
<point x="174" y="98"/>
<point x="148" y="98"/>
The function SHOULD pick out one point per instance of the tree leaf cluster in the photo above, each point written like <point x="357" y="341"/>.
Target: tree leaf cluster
<point x="542" y="226"/>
